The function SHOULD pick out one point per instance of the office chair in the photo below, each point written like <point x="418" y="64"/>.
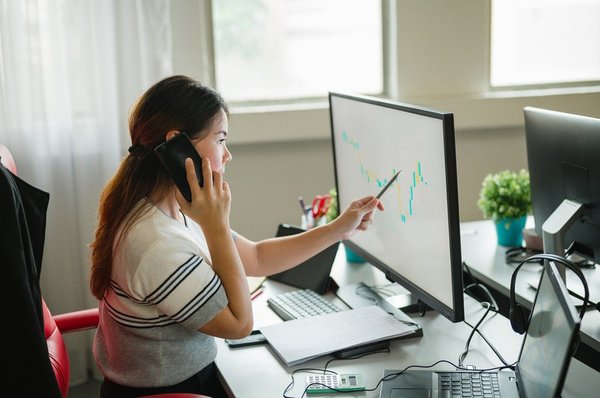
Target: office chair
<point x="56" y="325"/>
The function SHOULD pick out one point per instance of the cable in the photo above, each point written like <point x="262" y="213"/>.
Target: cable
<point x="490" y="345"/>
<point x="386" y="350"/>
<point x="387" y="377"/>
<point x="481" y="286"/>
<point x="494" y="308"/>
<point x="465" y="352"/>
<point x="309" y="370"/>
<point x="591" y="304"/>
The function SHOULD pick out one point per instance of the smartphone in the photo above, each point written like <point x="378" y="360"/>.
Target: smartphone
<point x="172" y="155"/>
<point x="254" y="338"/>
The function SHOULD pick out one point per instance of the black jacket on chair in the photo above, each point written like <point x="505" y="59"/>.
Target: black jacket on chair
<point x="23" y="346"/>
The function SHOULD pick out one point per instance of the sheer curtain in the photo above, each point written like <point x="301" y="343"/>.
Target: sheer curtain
<point x="69" y="71"/>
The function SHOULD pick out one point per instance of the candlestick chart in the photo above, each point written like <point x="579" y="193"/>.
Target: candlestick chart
<point x="411" y="182"/>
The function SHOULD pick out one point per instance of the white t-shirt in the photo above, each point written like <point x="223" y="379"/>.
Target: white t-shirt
<point x="163" y="290"/>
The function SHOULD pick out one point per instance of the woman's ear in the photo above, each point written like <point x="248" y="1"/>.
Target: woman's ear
<point x="171" y="134"/>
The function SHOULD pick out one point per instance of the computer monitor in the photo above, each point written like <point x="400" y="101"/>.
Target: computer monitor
<point x="416" y="240"/>
<point x="563" y="151"/>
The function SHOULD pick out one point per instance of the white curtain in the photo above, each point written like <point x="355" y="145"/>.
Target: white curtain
<point x="69" y="71"/>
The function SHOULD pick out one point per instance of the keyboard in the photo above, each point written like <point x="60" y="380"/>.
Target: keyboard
<point x="467" y="384"/>
<point x="300" y="304"/>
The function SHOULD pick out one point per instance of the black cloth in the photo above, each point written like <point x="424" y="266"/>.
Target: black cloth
<point x="23" y="348"/>
<point x="205" y="382"/>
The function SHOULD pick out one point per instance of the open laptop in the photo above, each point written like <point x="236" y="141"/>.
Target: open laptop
<point x="313" y="273"/>
<point x="543" y="361"/>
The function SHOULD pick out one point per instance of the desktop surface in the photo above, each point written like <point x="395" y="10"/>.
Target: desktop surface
<point x="255" y="371"/>
<point x="487" y="263"/>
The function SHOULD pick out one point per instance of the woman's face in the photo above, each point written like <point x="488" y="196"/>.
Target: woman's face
<point x="213" y="146"/>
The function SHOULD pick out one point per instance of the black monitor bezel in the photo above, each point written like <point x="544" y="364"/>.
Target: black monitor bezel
<point x="455" y="314"/>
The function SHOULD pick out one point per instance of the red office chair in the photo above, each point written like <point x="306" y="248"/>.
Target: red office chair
<point x="55" y="326"/>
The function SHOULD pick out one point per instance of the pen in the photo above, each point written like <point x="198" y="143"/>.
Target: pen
<point x="389" y="183"/>
<point x="302" y="205"/>
<point x="256" y="293"/>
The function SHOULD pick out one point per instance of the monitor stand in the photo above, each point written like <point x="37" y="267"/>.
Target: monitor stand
<point x="360" y="295"/>
<point x="556" y="227"/>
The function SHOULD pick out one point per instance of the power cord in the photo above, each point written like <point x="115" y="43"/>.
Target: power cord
<point x="462" y="356"/>
<point x="484" y="288"/>
<point x="494" y="307"/>
<point x="384" y="351"/>
<point x="325" y="370"/>
<point x="309" y="370"/>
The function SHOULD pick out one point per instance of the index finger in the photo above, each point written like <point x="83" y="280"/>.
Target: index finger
<point x="192" y="179"/>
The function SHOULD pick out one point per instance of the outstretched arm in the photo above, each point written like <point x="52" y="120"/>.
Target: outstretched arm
<point x="274" y="255"/>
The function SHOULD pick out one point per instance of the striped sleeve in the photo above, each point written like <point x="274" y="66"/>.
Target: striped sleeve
<point x="191" y="295"/>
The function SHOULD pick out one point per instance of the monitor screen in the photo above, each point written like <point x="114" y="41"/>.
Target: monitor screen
<point x="416" y="240"/>
<point x="563" y="152"/>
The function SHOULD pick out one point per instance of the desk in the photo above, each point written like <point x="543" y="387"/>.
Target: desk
<point x="256" y="372"/>
<point x="487" y="263"/>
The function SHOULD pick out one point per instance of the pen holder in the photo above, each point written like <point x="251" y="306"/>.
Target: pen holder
<point x="307" y="222"/>
<point x="352" y="257"/>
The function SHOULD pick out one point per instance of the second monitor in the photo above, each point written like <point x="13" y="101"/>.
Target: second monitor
<point x="564" y="166"/>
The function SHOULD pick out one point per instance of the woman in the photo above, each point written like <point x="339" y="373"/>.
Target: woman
<point x="171" y="274"/>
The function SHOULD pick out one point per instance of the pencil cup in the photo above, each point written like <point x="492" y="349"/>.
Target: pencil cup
<point x="352" y="257"/>
<point x="306" y="222"/>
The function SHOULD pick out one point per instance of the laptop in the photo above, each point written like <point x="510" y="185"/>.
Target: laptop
<point x="543" y="361"/>
<point x="313" y="273"/>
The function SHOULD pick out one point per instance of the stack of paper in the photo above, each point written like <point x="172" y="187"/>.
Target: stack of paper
<point x="300" y="340"/>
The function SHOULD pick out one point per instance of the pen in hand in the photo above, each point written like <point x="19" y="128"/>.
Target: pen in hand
<point x="389" y="183"/>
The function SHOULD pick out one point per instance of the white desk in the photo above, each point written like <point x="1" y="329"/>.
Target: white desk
<point x="256" y="372"/>
<point x="487" y="262"/>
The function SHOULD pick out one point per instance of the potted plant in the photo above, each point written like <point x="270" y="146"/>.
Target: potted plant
<point x="505" y="197"/>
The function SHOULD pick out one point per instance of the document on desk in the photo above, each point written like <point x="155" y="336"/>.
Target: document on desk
<point x="301" y="340"/>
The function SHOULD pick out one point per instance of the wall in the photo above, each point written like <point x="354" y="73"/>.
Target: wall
<point x="267" y="178"/>
<point x="440" y="60"/>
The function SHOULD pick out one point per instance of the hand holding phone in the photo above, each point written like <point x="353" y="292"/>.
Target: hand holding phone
<point x="172" y="155"/>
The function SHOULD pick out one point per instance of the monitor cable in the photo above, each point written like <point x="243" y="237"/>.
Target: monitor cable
<point x="474" y="329"/>
<point x="476" y="283"/>
<point x="493" y="307"/>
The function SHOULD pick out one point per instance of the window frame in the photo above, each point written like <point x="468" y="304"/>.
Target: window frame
<point x="301" y="103"/>
<point x="525" y="88"/>
<point x="475" y="104"/>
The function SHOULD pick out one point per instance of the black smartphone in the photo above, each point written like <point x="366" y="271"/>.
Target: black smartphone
<point x="254" y="338"/>
<point x="172" y="155"/>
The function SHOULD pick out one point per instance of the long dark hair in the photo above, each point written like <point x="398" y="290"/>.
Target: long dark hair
<point x="174" y="103"/>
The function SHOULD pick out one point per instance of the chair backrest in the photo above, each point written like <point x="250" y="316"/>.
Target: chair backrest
<point x="57" y="351"/>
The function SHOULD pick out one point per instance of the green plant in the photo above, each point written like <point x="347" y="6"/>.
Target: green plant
<point x="505" y="194"/>
<point x="332" y="210"/>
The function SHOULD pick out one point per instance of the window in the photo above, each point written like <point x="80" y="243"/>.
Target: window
<point x="544" y="42"/>
<point x="290" y="49"/>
